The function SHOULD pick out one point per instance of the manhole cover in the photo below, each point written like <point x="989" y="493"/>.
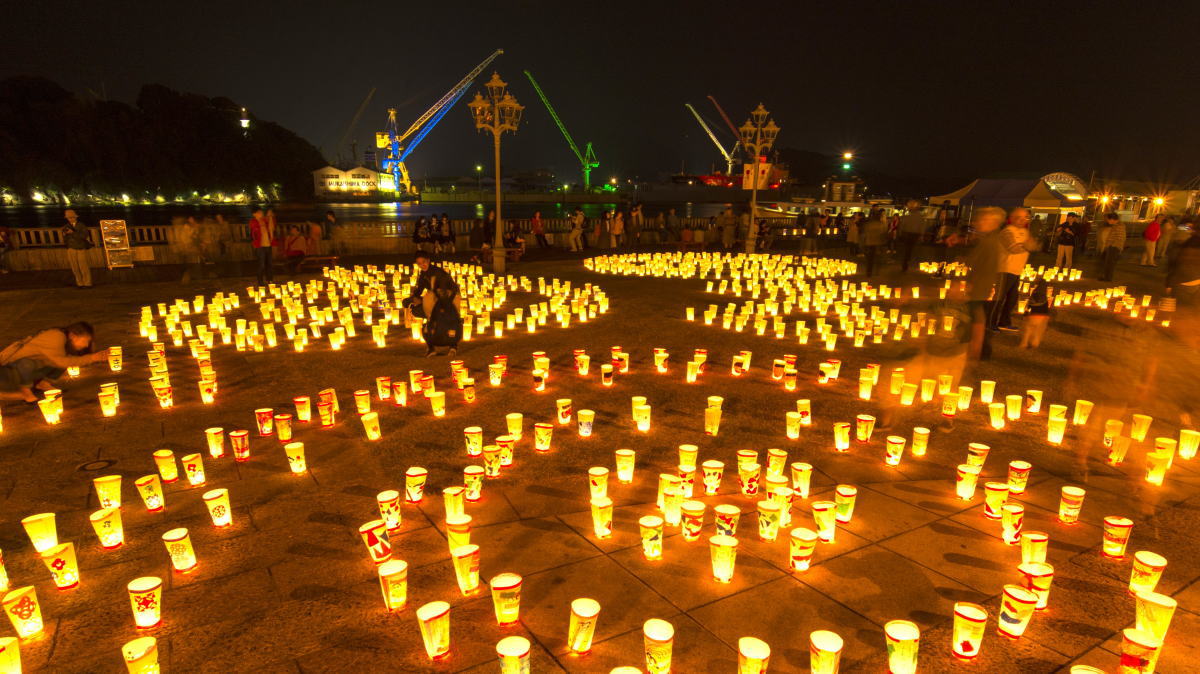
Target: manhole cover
<point x="99" y="464"/>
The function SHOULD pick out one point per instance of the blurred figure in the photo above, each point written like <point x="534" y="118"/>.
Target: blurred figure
<point x="911" y="230"/>
<point x="1183" y="281"/>
<point x="1150" y="237"/>
<point x="294" y="248"/>
<point x="539" y="230"/>
<point x="1064" y="238"/>
<point x="31" y="365"/>
<point x="575" y="238"/>
<point x="1168" y="236"/>
<point x="1018" y="244"/>
<point x="617" y="229"/>
<point x="984" y="259"/>
<point x="1112" y="234"/>
<point x="262" y="238"/>
<point x="874" y="232"/>
<point x="1038" y="315"/>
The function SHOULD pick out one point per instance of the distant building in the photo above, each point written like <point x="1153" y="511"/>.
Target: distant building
<point x="360" y="181"/>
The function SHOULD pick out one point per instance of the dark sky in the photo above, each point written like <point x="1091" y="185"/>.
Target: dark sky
<point x="945" y="90"/>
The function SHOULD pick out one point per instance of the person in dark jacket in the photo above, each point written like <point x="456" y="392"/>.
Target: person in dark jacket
<point x="78" y="240"/>
<point x="436" y="299"/>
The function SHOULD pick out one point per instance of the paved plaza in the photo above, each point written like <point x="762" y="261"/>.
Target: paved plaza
<point x="289" y="586"/>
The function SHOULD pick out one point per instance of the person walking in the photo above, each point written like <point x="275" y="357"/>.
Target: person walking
<point x="575" y="238"/>
<point x="813" y="225"/>
<point x="1168" y="235"/>
<point x="1150" y="237"/>
<point x="262" y="238"/>
<point x="854" y="233"/>
<point x="617" y="230"/>
<point x="1113" y="236"/>
<point x="673" y="225"/>
<point x="78" y="241"/>
<point x="539" y="230"/>
<point x="1064" y="238"/>
<point x="636" y="224"/>
<point x="912" y="228"/>
<point x="1183" y="270"/>
<point x="983" y="260"/>
<point x="601" y="227"/>
<point x="1018" y="244"/>
<point x="874" y="235"/>
<point x="1082" y="229"/>
<point x="31" y="365"/>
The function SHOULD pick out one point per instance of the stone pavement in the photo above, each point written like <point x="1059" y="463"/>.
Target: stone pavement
<point x="289" y="586"/>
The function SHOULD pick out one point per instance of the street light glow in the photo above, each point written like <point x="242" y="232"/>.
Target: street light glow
<point x="613" y="181"/>
<point x="847" y="155"/>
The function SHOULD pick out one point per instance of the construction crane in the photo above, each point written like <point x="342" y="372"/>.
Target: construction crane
<point x="728" y="154"/>
<point x="350" y="129"/>
<point x="587" y="158"/>
<point x="732" y="128"/>
<point x="391" y="140"/>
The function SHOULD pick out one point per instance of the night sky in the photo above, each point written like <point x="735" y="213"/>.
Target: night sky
<point x="944" y="91"/>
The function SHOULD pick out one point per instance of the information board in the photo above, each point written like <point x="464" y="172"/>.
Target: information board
<point x="117" y="251"/>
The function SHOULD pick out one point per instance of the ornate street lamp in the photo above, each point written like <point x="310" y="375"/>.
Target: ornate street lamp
<point x="497" y="113"/>
<point x="758" y="135"/>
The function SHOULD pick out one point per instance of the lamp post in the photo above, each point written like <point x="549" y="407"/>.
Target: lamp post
<point x="758" y="135"/>
<point x="497" y="113"/>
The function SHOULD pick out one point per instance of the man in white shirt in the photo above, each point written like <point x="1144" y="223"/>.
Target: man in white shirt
<point x="1016" y="240"/>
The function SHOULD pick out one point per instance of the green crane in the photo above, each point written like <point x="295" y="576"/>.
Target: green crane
<point x="587" y="158"/>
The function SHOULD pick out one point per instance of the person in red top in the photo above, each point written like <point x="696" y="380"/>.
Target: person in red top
<point x="1150" y="236"/>
<point x="262" y="237"/>
<point x="539" y="230"/>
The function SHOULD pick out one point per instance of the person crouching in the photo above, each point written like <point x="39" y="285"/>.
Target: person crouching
<point x="436" y="300"/>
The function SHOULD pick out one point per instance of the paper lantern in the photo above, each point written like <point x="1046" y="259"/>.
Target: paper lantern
<point x="768" y="520"/>
<point x="107" y="524"/>
<point x="325" y="412"/>
<point x="1055" y="430"/>
<point x="388" y="503"/>
<point x="625" y="464"/>
<point x="506" y="443"/>
<point x="586" y="419"/>
<point x="303" y="408"/>
<point x="584" y="613"/>
<point x="164" y="460"/>
<point x="145" y="598"/>
<point x="393" y="580"/>
<point x="491" y="460"/>
<point x="453" y="500"/>
<point x="1070" y="504"/>
<point x="41" y="530"/>
<point x="606" y="375"/>
<point x="908" y="394"/>
<point x="1139" y="651"/>
<point x="712" y="420"/>
<point x="60" y="561"/>
<point x="217" y="502"/>
<point x="803" y="543"/>
<point x="746" y="457"/>
<point x="1141" y="424"/>
<point x="987" y="390"/>
<point x="108" y="401"/>
<point x="295" y="457"/>
<point x="801" y="478"/>
<point x="753" y="656"/>
<point x="641" y="417"/>
<point x="400" y="393"/>
<point x="825" y="518"/>
<point x="776" y="461"/>
<point x="1057" y="411"/>
<point x="793" y="425"/>
<point x="844" y="498"/>
<point x="466" y="568"/>
<point x="748" y="477"/>
<point x="1083" y="409"/>
<point x="1018" y="476"/>
<point x="542" y="433"/>
<point x="723" y="553"/>
<point x="1033" y="401"/>
<point x="141" y="656"/>
<point x="1154" y="613"/>
<point x="458" y="530"/>
<point x="108" y="491"/>
<point x="598" y="481"/>
<point x="903" y="638"/>
<point x="1012" y="518"/>
<point x="1036" y="577"/>
<point x="1189" y="443"/>
<point x="216" y="442"/>
<point x="150" y="489"/>
<point x="996" y="415"/>
<point x="602" y="517"/>
<point x="513" y="653"/>
<point x="1147" y="569"/>
<point x="968" y="477"/>
<point x="434" y="620"/>
<point x="894" y="450"/>
<point x="692" y="519"/>
<point x="414" y="484"/>
<point x="583" y="364"/>
<point x="920" y="441"/>
<point x="825" y="652"/>
<point x="379" y="544"/>
<point x="1016" y="608"/>
<point x="506" y="598"/>
<point x="725" y="517"/>
<point x="239" y="441"/>
<point x="995" y="495"/>
<point x="1034" y="546"/>
<point x="265" y="418"/>
<point x="283" y="427"/>
<point x="383" y="387"/>
<point x="473" y="482"/>
<point x="964" y="398"/>
<point x="23" y="611"/>
<point x="162" y="391"/>
<point x="651" y="528"/>
<point x="970" y="621"/>
<point x="1116" y="536"/>
<point x="179" y="548"/>
<point x="115" y="358"/>
<point x="841" y="436"/>
<point x="10" y="655"/>
<point x="658" y="637"/>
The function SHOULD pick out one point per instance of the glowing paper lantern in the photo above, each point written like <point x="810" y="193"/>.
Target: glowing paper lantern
<point x="625" y="464"/>
<point x="1147" y="569"/>
<point x="844" y="498"/>
<point x="651" y="528"/>
<point x="303" y="408"/>
<point x="970" y="621"/>
<point x="1033" y="401"/>
<point x="393" y="580"/>
<point x="1034" y="546"/>
<point x="641" y="417"/>
<point x="10" y="655"/>
<point x="1154" y="613"/>
<point x="598" y="481"/>
<point x="1116" y="536"/>
<point x="400" y="393"/>
<point x="825" y="652"/>
<point x="108" y="402"/>
<point x="1036" y="577"/>
<point x="375" y="536"/>
<point x="473" y="482"/>
<point x="414" y="484"/>
<point x="586" y="419"/>
<point x="164" y="460"/>
<point x="723" y="552"/>
<point x="141" y="655"/>
<point x="801" y="478"/>
<point x="1083" y="409"/>
<point x="1055" y="430"/>
<point x="726" y="518"/>
<point x="803" y="542"/>
<point x="434" y="619"/>
<point x="968" y="477"/>
<point x="1016" y="608"/>
<point x="768" y="520"/>
<point x="388" y="502"/>
<point x="712" y="420"/>
<point x="506" y="443"/>
<point x="903" y="639"/>
<point x="1012" y="518"/>
<point x="491" y="460"/>
<point x="179" y="547"/>
<point x="283" y="427"/>
<point x="239" y="441"/>
<point x="42" y="531"/>
<point x="1070" y="504"/>
<point x="145" y="598"/>
<point x="658" y="637"/>
<point x="825" y="518"/>
<point x="458" y="530"/>
<point x="108" y="491"/>
<point x="506" y="598"/>
<point x="996" y="414"/>
<point x="107" y="524"/>
<point x="894" y="450"/>
<point x="753" y="656"/>
<point x="23" y="611"/>
<point x="1141" y="424"/>
<point x="60" y="561"/>
<point x="1018" y="476"/>
<point x="466" y="568"/>
<point x="987" y="390"/>
<point x="513" y="653"/>
<point x="584" y="613"/>
<point x="563" y="407"/>
<point x="325" y="411"/>
<point x="1189" y="443"/>
<point x="150" y="489"/>
<point x="217" y="502"/>
<point x="995" y="495"/>
<point x="1139" y="651"/>
<point x="711" y="475"/>
<point x="977" y="453"/>
<point x="295" y="457"/>
<point x="602" y="517"/>
<point x="265" y="418"/>
<point x="748" y="477"/>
